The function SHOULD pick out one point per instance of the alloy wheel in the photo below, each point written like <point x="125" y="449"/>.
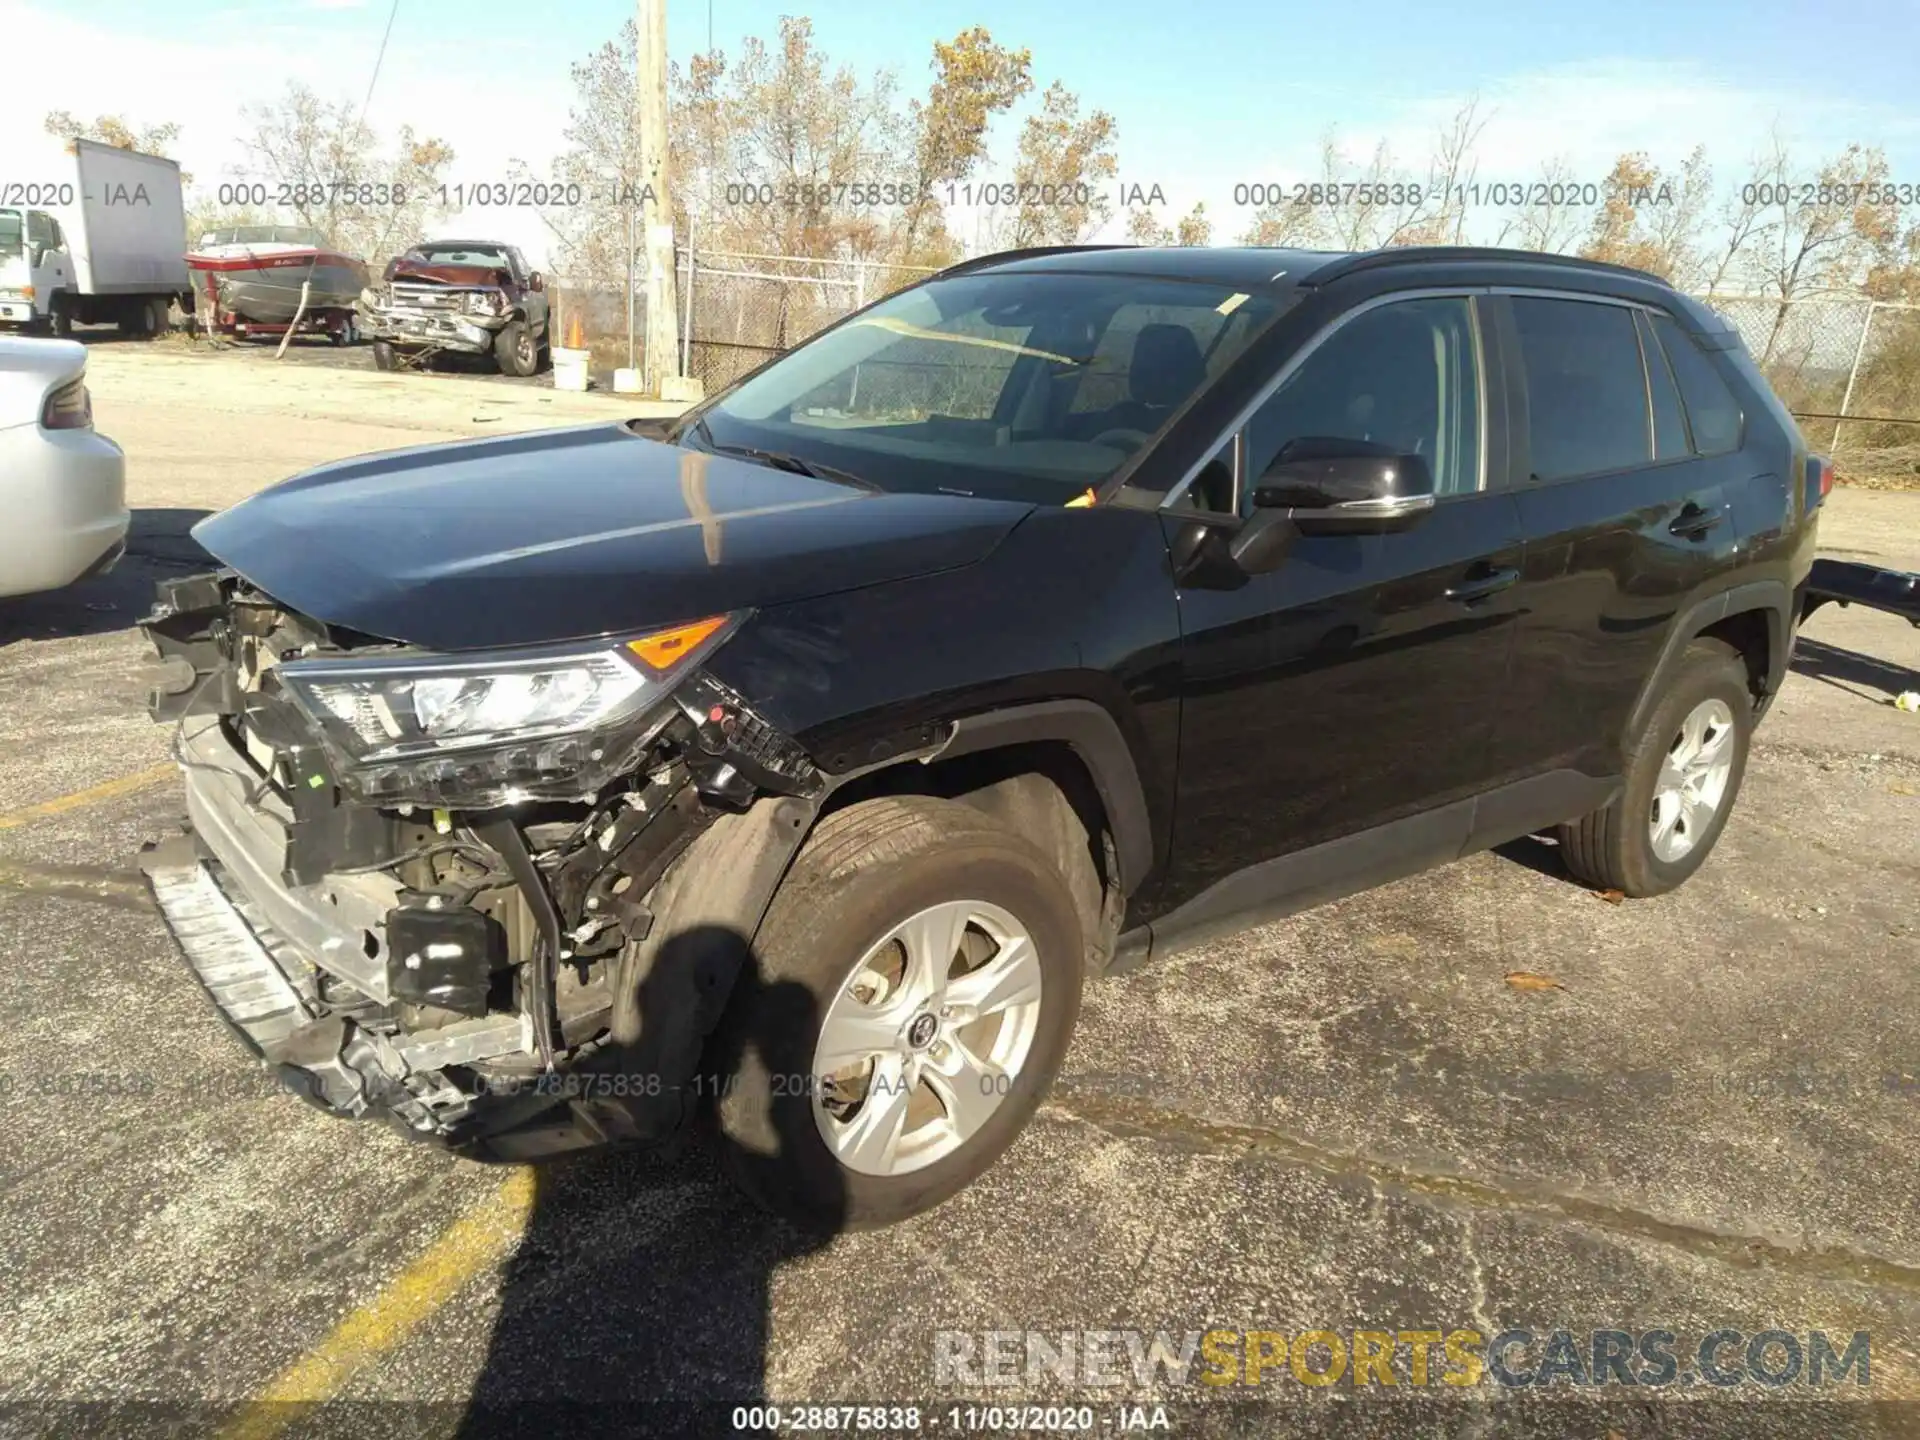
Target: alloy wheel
<point x="926" y="1037"/>
<point x="1693" y="780"/>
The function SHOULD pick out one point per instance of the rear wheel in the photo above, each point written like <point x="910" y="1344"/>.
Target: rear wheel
<point x="917" y="982"/>
<point x="1683" y="771"/>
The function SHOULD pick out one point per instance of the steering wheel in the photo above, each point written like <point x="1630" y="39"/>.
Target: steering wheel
<point x="1133" y="439"/>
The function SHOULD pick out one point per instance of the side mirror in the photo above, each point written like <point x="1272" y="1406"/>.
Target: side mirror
<point x="1346" y="487"/>
<point x="536" y="282"/>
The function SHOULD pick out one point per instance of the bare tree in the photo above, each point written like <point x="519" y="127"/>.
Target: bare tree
<point x="1144" y="228"/>
<point x="365" y="198"/>
<point x="1743" y="224"/>
<point x="1190" y="230"/>
<point x="1060" y="171"/>
<point x="1194" y="229"/>
<point x="1818" y="235"/>
<point x="1377" y="203"/>
<point x="1450" y="173"/>
<point x="117" y="131"/>
<point x="1550" y="221"/>
<point x="974" y="80"/>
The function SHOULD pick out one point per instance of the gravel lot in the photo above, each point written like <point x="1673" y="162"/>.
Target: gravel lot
<point x="1346" y="1121"/>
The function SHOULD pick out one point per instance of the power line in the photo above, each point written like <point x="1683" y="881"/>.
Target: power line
<point x="377" y="61"/>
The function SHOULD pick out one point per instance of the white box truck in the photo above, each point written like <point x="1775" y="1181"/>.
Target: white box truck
<point x="90" y="234"/>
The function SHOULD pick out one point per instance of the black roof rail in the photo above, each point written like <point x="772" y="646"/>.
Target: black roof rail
<point x="1410" y="254"/>
<point x="1002" y="257"/>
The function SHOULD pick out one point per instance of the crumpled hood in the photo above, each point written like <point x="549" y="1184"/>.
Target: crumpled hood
<point x="563" y="534"/>
<point x="467" y="276"/>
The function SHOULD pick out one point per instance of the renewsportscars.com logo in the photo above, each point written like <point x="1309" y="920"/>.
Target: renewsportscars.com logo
<point x="1365" y="1359"/>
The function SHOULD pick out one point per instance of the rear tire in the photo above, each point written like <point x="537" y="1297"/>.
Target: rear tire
<point x="1683" y="774"/>
<point x="827" y="964"/>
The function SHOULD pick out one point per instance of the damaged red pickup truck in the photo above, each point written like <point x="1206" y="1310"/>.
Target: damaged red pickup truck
<point x="473" y="297"/>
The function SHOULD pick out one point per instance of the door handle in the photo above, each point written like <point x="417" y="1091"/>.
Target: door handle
<point x="1694" y="521"/>
<point x="1481" y="583"/>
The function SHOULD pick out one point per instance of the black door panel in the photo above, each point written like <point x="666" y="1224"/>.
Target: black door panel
<point x="1346" y="689"/>
<point x="1611" y="558"/>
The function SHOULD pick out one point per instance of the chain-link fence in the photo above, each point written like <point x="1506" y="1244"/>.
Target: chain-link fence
<point x="591" y="314"/>
<point x="1848" y="368"/>
<point x="742" y="309"/>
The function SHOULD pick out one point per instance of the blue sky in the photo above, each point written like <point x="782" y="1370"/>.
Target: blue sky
<point x="1206" y="93"/>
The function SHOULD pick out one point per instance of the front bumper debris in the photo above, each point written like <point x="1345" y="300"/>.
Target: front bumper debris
<point x="473" y="977"/>
<point x="266" y="992"/>
<point x="467" y="334"/>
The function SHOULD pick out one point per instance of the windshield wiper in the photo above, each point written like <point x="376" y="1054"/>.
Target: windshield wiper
<point x="781" y="460"/>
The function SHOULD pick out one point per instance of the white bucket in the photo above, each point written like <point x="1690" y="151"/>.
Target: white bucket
<point x="570" y="368"/>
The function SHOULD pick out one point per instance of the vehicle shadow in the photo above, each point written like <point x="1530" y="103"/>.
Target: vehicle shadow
<point x="1540" y="854"/>
<point x="1849" y="669"/>
<point x="639" y="1299"/>
<point x="158" y="545"/>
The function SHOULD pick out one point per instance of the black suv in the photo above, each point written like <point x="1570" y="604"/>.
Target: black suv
<point x="791" y="763"/>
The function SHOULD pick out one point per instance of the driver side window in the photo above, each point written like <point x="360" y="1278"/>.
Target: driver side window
<point x="1405" y="374"/>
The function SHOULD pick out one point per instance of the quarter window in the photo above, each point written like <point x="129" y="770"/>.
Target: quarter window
<point x="1405" y="374"/>
<point x="1711" y="408"/>
<point x="1586" y="391"/>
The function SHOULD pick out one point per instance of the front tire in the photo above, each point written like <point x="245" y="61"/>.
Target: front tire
<point x="917" y="983"/>
<point x="1683" y="772"/>
<point x="383" y="356"/>
<point x="516" y="349"/>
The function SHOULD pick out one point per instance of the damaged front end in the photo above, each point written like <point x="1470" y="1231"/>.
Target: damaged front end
<point x="428" y="887"/>
<point x="431" y="313"/>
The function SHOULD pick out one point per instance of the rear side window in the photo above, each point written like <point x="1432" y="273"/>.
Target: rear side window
<point x="1586" y="391"/>
<point x="1711" y="408"/>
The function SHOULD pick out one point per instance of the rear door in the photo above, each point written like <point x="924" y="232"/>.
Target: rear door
<point x="1354" y="684"/>
<point x="1624" y="522"/>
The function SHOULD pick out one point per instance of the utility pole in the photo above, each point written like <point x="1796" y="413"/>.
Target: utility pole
<point x="656" y="213"/>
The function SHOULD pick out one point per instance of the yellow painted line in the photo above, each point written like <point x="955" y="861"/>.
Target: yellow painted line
<point x="125" y="785"/>
<point x="481" y="1238"/>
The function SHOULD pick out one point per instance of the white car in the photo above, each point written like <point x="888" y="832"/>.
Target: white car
<point x="63" y="486"/>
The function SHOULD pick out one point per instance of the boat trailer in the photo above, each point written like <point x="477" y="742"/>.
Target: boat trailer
<point x="339" y="323"/>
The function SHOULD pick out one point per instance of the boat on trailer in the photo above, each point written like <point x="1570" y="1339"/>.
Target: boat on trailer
<point x="254" y="275"/>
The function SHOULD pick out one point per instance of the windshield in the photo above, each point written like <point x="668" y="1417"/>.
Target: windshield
<point x="12" y="229"/>
<point x="459" y="255"/>
<point x="1024" y="386"/>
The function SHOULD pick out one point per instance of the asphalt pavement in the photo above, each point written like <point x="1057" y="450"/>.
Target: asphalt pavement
<point x="1704" y="1115"/>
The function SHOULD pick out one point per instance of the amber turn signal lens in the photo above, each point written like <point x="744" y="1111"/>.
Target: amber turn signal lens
<point x="665" y="648"/>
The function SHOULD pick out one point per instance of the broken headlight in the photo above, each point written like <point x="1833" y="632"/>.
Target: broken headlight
<point x="475" y="731"/>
